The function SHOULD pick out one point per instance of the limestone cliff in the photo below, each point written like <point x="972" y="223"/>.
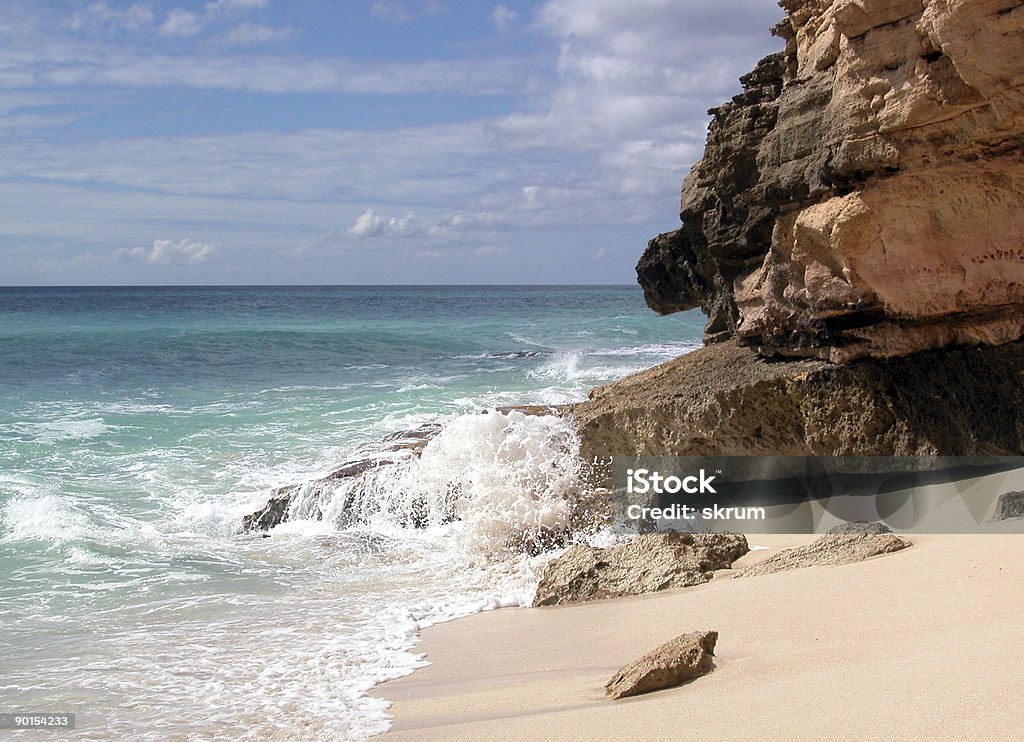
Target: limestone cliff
<point x="862" y="196"/>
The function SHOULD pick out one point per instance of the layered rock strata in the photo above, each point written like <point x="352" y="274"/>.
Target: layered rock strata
<point x="861" y="197"/>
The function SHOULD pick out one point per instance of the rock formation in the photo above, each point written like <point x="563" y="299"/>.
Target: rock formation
<point x="829" y="550"/>
<point x="684" y="658"/>
<point x="652" y="562"/>
<point x="861" y="197"/>
<point x="279" y="507"/>
<point x="726" y="400"/>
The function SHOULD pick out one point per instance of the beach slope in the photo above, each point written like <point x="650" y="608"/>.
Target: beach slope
<point x="924" y="644"/>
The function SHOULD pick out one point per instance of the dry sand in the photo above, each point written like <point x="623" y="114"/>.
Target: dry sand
<point x="926" y="643"/>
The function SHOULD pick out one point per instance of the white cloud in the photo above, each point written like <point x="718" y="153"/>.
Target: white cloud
<point x="254" y="33"/>
<point x="491" y="250"/>
<point x="503" y="16"/>
<point x="598" y="141"/>
<point x="403" y="11"/>
<point x="372" y="224"/>
<point x="165" y="252"/>
<point x="181" y="22"/>
<point x="235" y="6"/>
<point x="644" y="70"/>
<point x="27" y="61"/>
<point x="101" y="16"/>
<point x="184" y="23"/>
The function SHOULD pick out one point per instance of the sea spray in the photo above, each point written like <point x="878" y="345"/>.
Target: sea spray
<point x="494" y="484"/>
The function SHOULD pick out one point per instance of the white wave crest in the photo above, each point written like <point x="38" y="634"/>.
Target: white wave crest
<point x="44" y="518"/>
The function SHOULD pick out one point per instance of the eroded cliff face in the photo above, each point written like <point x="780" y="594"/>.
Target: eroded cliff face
<point x="862" y="196"/>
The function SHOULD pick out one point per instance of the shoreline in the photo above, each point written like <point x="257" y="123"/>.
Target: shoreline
<point x="924" y="642"/>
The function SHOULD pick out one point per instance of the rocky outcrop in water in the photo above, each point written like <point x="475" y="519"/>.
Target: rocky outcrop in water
<point x="279" y="508"/>
<point x="832" y="550"/>
<point x="861" y="196"/>
<point x="684" y="658"/>
<point x="653" y="562"/>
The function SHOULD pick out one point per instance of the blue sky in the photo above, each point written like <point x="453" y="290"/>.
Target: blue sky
<point x="384" y="141"/>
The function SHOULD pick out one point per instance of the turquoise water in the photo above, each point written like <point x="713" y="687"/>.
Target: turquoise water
<point x="137" y="426"/>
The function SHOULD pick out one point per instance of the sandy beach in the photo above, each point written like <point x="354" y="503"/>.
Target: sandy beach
<point x="926" y="643"/>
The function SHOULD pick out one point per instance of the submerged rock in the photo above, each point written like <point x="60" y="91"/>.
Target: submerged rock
<point x="684" y="658"/>
<point x="653" y="562"/>
<point x="860" y="197"/>
<point x="829" y="550"/>
<point x="279" y="507"/>
<point x="273" y="513"/>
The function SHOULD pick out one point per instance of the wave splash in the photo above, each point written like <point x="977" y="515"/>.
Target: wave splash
<point x="492" y="485"/>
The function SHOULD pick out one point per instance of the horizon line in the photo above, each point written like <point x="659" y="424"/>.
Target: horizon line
<point x="304" y="285"/>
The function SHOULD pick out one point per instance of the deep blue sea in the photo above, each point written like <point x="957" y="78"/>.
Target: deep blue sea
<point x="138" y="425"/>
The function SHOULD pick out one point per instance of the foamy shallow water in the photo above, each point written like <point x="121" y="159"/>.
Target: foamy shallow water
<point x="130" y="448"/>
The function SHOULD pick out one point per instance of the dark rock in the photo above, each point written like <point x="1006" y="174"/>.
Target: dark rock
<point x="279" y="507"/>
<point x="272" y="514"/>
<point x="354" y="469"/>
<point x="858" y="526"/>
<point x="727" y="213"/>
<point x="528" y="409"/>
<point x="684" y="658"/>
<point x="828" y="550"/>
<point x="652" y="562"/>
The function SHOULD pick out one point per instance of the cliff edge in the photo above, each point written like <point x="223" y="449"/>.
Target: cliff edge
<point x="861" y="197"/>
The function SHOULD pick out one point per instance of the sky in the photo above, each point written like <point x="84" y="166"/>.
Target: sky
<point x="354" y="142"/>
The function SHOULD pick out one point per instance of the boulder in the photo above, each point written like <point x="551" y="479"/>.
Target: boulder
<point x="1009" y="505"/>
<point x="653" y="562"/>
<point x="684" y="658"/>
<point x="828" y="550"/>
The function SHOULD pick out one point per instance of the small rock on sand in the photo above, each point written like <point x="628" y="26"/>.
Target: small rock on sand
<point x="684" y="658"/>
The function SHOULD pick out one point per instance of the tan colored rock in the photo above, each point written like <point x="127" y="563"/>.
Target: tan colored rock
<point x="684" y="658"/>
<point x="653" y="562"/>
<point x="726" y="400"/>
<point x="860" y="197"/>
<point x="829" y="550"/>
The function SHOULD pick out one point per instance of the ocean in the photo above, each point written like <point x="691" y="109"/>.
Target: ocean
<point x="138" y="426"/>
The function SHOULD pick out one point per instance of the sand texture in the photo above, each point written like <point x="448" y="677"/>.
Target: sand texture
<point x="925" y="643"/>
